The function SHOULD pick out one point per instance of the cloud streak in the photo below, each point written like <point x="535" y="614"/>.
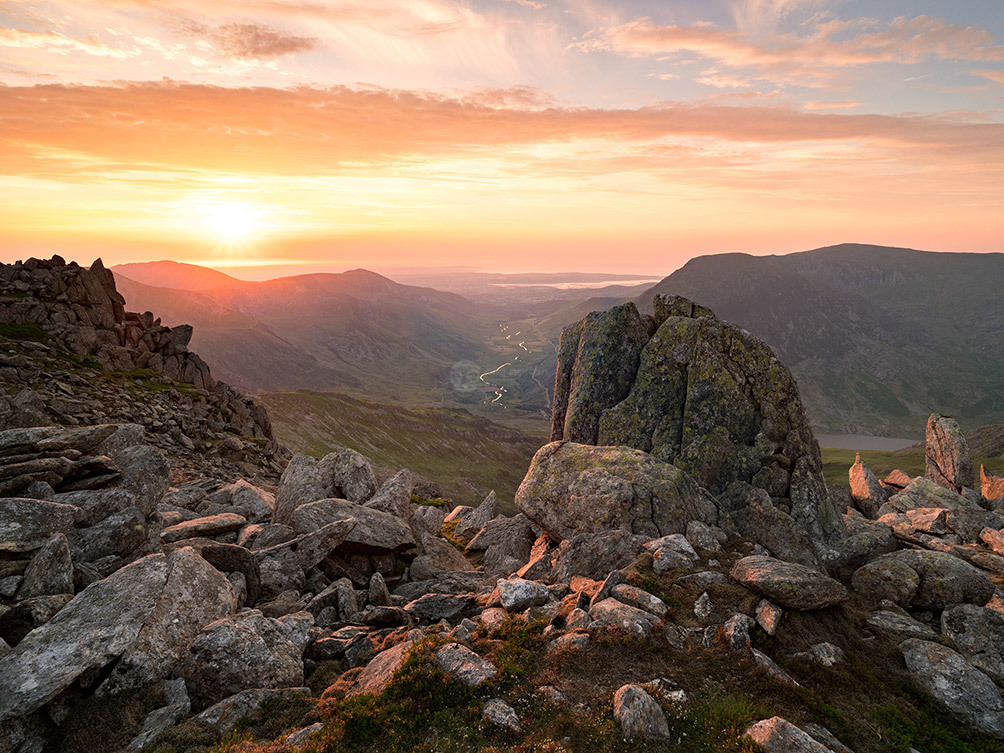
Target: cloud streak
<point x="791" y="58"/>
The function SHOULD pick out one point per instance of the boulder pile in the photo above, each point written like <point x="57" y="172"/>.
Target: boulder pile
<point x="114" y="578"/>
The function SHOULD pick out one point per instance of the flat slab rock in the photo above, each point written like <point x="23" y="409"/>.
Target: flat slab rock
<point x="211" y="525"/>
<point x="788" y="584"/>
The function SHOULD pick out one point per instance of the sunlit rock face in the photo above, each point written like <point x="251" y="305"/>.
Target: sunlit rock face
<point x="696" y="392"/>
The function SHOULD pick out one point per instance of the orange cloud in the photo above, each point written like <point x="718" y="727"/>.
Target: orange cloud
<point x="249" y="41"/>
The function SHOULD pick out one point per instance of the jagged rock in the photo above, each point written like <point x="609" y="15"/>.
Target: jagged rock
<point x="96" y="504"/>
<point x="346" y="474"/>
<point x="225" y="715"/>
<point x="594" y="555"/>
<point x="501" y="714"/>
<point x="194" y="595"/>
<point x="702" y="536"/>
<point x="375" y="532"/>
<point x="572" y="489"/>
<point x="824" y="654"/>
<point x="285" y="565"/>
<point x="978" y="633"/>
<point x="257" y="505"/>
<point x="26" y="524"/>
<point x="118" y="535"/>
<point x="944" y="579"/>
<point x="991" y="486"/>
<point x="470" y="525"/>
<point x="377" y="593"/>
<point x="145" y="473"/>
<point x="50" y="571"/>
<point x="95" y="627"/>
<point x="757" y="519"/>
<point x="438" y="556"/>
<point x="229" y="558"/>
<point x="597" y="362"/>
<point x="299" y="484"/>
<point x="238" y="653"/>
<point x="124" y="435"/>
<point x="866" y="540"/>
<point x="868" y="494"/>
<point x="379" y="672"/>
<point x="768" y="616"/>
<point x="394" y="496"/>
<point x="778" y="735"/>
<point x="704" y="395"/>
<point x="639" y="715"/>
<point x="922" y="492"/>
<point x="211" y="525"/>
<point x="518" y="594"/>
<point x="427" y="519"/>
<point x="956" y="684"/>
<point x="787" y="583"/>
<point x="463" y="665"/>
<point x="946" y="454"/>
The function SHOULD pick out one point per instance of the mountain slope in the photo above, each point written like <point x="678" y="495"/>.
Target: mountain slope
<point x="175" y="275"/>
<point x="356" y="331"/>
<point x="877" y="337"/>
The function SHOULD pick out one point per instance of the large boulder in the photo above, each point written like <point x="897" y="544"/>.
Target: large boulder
<point x="99" y="624"/>
<point x="702" y="394"/>
<point x="944" y="580"/>
<point x="348" y="475"/>
<point x="946" y="454"/>
<point x="50" y="571"/>
<point x="242" y="652"/>
<point x="194" y="595"/>
<point x="956" y="684"/>
<point x="979" y="633"/>
<point x="572" y="489"/>
<point x="756" y="518"/>
<point x="778" y="735"/>
<point x="380" y="671"/>
<point x="922" y="493"/>
<point x="787" y="583"/>
<point x="595" y="555"/>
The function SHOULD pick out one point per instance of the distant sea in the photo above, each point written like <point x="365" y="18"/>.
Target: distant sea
<point x="858" y="442"/>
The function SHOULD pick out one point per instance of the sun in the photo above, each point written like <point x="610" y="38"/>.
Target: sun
<point x="232" y="221"/>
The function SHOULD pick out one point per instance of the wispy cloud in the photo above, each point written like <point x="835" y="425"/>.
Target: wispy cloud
<point x="249" y="41"/>
<point x="992" y="75"/>
<point x="808" y="58"/>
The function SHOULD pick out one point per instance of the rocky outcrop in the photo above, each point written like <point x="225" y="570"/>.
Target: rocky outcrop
<point x="573" y="488"/>
<point x="696" y="392"/>
<point x="80" y="308"/>
<point x="88" y="362"/>
<point x="991" y="486"/>
<point x="946" y="454"/>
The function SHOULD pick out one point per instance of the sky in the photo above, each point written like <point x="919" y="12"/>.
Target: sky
<point x="514" y="135"/>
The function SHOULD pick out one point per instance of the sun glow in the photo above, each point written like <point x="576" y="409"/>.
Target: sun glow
<point x="232" y="221"/>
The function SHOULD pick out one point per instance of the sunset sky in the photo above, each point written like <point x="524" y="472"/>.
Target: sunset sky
<point x="588" y="135"/>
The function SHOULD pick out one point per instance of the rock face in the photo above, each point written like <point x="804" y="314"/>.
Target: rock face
<point x="956" y="684"/>
<point x="946" y="454"/>
<point x="978" y="633"/>
<point x="574" y="488"/>
<point x="158" y="383"/>
<point x="991" y="486"/>
<point x="696" y="392"/>
<point x="943" y="579"/>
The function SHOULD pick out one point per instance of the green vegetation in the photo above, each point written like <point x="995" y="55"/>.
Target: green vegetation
<point x="31" y="332"/>
<point x="435" y="502"/>
<point x="147" y="380"/>
<point x="464" y="455"/>
<point x="910" y="460"/>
